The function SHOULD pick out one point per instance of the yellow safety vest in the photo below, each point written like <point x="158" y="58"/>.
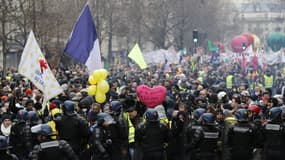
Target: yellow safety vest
<point x="164" y="121"/>
<point x="229" y="81"/>
<point x="53" y="128"/>
<point x="131" y="130"/>
<point x="200" y="79"/>
<point x="268" y="81"/>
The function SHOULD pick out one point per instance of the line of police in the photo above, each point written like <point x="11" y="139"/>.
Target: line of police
<point x="119" y="133"/>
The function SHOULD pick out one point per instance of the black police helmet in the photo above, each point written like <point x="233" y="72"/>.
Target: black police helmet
<point x="242" y="115"/>
<point x="151" y="115"/>
<point x="4" y="143"/>
<point x="198" y="112"/>
<point x="42" y="129"/>
<point x="208" y="118"/>
<point x="68" y="107"/>
<point x="115" y="107"/>
<point x="275" y="113"/>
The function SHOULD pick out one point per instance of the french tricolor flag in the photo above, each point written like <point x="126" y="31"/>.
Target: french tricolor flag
<point x="83" y="44"/>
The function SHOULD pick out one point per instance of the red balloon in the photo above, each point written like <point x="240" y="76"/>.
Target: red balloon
<point x="249" y="37"/>
<point x="151" y="97"/>
<point x="237" y="42"/>
<point x="220" y="45"/>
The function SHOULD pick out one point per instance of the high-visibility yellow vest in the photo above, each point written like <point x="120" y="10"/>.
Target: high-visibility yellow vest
<point x="200" y="79"/>
<point x="52" y="125"/>
<point x="229" y="81"/>
<point x="182" y="89"/>
<point x="268" y="81"/>
<point x="131" y="127"/>
<point x="164" y="121"/>
<point x="131" y="130"/>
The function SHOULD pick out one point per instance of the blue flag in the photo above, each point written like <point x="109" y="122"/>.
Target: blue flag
<point x="83" y="44"/>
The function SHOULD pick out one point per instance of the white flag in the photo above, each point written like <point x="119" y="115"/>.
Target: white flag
<point x="33" y="65"/>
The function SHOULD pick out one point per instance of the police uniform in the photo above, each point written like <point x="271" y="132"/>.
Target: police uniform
<point x="205" y="142"/>
<point x="241" y="140"/>
<point x="100" y="143"/>
<point x="21" y="139"/>
<point x="274" y="141"/>
<point x="58" y="149"/>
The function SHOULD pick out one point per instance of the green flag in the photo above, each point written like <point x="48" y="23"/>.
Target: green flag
<point x="211" y="46"/>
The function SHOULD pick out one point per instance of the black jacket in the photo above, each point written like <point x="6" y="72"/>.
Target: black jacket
<point x="74" y="129"/>
<point x="152" y="136"/>
<point x="58" y="149"/>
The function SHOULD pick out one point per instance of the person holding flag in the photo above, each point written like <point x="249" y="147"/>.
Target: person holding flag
<point x="34" y="67"/>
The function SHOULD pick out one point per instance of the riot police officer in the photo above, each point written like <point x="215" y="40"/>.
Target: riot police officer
<point x="117" y="129"/>
<point x="152" y="136"/>
<point x="4" y="155"/>
<point x="206" y="138"/>
<point x="73" y="128"/>
<point x="195" y="124"/>
<point x="21" y="137"/>
<point x="47" y="148"/>
<point x="100" y="140"/>
<point x="241" y="137"/>
<point x="274" y="135"/>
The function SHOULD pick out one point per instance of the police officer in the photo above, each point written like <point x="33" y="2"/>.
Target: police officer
<point x="33" y="118"/>
<point x="152" y="136"/>
<point x="21" y="137"/>
<point x="206" y="138"/>
<point x="117" y="129"/>
<point x="101" y="138"/>
<point x="72" y="128"/>
<point x="241" y="137"/>
<point x="195" y="124"/>
<point x="4" y="155"/>
<point x="274" y="136"/>
<point x="47" y="148"/>
<point x="181" y="134"/>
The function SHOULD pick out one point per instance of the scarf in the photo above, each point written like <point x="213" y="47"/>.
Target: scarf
<point x="5" y="131"/>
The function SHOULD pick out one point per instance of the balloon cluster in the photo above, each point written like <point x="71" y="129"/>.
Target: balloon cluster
<point x="98" y="85"/>
<point x="276" y="41"/>
<point x="246" y="39"/>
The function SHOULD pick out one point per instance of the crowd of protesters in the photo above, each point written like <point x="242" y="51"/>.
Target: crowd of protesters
<point x="210" y="112"/>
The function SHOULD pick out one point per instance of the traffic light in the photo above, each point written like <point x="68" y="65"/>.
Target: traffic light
<point x="195" y="36"/>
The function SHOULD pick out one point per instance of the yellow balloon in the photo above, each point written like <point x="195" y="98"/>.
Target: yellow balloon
<point x="100" y="97"/>
<point x="91" y="90"/>
<point x="104" y="74"/>
<point x="256" y="41"/>
<point x="91" y="80"/>
<point x="103" y="86"/>
<point x="96" y="75"/>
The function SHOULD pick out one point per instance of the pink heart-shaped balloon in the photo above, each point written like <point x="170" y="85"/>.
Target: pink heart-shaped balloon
<point x="151" y="97"/>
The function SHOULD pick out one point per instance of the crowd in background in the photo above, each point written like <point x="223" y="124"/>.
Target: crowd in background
<point x="210" y="112"/>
